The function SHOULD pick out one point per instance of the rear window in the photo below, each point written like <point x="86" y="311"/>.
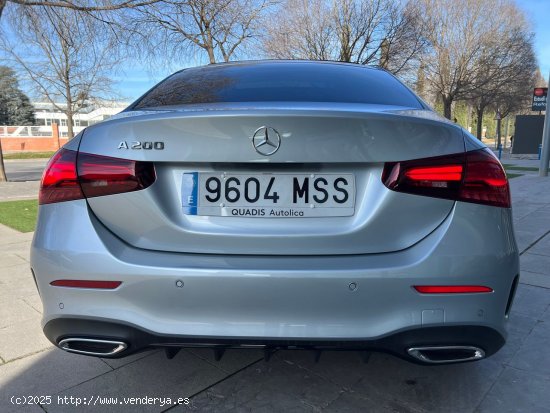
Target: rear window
<point x="279" y="82"/>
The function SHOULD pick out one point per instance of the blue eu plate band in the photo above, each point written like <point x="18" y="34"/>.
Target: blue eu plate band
<point x="189" y="192"/>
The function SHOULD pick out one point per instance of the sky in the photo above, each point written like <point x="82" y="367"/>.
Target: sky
<point x="538" y="14"/>
<point x="138" y="79"/>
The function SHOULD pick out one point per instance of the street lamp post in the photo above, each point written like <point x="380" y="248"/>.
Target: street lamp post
<point x="3" y="177"/>
<point x="545" y="155"/>
<point x="498" y="118"/>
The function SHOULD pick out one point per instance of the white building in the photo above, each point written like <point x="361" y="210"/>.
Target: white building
<point x="46" y="114"/>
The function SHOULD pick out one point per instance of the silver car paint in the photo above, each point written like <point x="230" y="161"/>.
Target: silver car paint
<point x="261" y="296"/>
<point x="316" y="138"/>
<point x="314" y="133"/>
<point x="249" y="285"/>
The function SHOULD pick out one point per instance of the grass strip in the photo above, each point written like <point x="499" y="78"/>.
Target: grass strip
<point x="28" y="155"/>
<point x="523" y="168"/>
<point x="19" y="215"/>
<point x="511" y="175"/>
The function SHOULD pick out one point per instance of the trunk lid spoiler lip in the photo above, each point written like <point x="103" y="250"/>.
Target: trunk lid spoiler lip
<point x="278" y="108"/>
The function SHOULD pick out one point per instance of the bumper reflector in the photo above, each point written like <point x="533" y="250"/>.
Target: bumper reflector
<point x="100" y="285"/>
<point x="452" y="289"/>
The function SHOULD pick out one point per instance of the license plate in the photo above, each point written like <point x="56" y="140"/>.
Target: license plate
<point x="268" y="195"/>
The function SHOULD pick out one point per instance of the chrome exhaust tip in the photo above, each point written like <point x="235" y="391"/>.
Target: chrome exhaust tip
<point x="446" y="354"/>
<point x="92" y="347"/>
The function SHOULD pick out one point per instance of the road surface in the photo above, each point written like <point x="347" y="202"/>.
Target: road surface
<point x="19" y="170"/>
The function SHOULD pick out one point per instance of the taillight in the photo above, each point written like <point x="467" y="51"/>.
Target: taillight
<point x="102" y="175"/>
<point x="485" y="181"/>
<point x="475" y="176"/>
<point x="70" y="175"/>
<point x="59" y="180"/>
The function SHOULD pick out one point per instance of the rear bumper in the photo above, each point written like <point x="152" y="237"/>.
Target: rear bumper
<point x="337" y="301"/>
<point x="137" y="339"/>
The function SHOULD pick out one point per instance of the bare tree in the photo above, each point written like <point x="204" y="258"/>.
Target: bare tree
<point x="539" y="80"/>
<point x="68" y="58"/>
<point x="301" y="29"/>
<point x="82" y="6"/>
<point x="172" y="30"/>
<point x="381" y="32"/>
<point x="95" y="10"/>
<point x="471" y="45"/>
<point x="507" y="70"/>
<point x="454" y="31"/>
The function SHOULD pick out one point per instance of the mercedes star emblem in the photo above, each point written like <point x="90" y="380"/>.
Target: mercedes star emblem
<point x="266" y="140"/>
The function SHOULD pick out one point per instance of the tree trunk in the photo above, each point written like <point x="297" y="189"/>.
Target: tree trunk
<point x="499" y="142"/>
<point x="345" y="48"/>
<point x="211" y="55"/>
<point x="3" y="177"/>
<point x="209" y="44"/>
<point x="69" y="113"/>
<point x="70" y="133"/>
<point x="479" y="113"/>
<point x="447" y="104"/>
<point x="384" y="54"/>
<point x="2" y="5"/>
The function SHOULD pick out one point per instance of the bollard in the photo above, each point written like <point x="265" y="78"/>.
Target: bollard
<point x="540" y="150"/>
<point x="500" y="151"/>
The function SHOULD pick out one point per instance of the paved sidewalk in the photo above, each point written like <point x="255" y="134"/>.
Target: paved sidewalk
<point x="517" y="379"/>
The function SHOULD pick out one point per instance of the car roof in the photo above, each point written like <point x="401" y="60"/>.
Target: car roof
<point x="283" y="62"/>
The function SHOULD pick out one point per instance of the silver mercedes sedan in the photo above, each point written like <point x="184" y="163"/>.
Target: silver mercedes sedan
<point x="277" y="204"/>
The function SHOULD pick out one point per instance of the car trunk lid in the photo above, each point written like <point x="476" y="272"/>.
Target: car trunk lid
<point x="346" y="141"/>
